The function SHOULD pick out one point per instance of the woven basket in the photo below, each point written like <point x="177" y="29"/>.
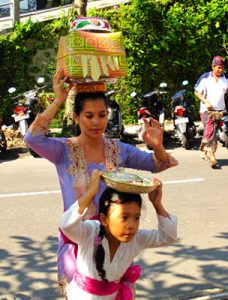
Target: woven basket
<point x="128" y="183"/>
<point x="92" y="57"/>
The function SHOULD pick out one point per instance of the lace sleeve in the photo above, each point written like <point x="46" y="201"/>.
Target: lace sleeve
<point x="160" y="166"/>
<point x="40" y="125"/>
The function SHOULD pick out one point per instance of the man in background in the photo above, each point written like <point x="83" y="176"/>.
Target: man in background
<point x="210" y="89"/>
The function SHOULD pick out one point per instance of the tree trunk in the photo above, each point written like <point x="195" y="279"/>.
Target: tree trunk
<point x="81" y="7"/>
<point x="68" y="117"/>
<point x="68" y="120"/>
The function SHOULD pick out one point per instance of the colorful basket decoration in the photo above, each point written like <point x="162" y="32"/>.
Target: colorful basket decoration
<point x="92" y="57"/>
<point x="92" y="24"/>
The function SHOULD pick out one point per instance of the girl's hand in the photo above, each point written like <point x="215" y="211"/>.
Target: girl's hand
<point x="93" y="189"/>
<point x="155" y="198"/>
<point x="94" y="182"/>
<point x="153" y="135"/>
<point x="156" y="195"/>
<point x="60" y="91"/>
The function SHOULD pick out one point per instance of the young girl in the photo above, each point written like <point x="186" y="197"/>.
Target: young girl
<point x="107" y="248"/>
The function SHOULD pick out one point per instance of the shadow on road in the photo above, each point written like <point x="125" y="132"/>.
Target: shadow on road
<point x="35" y="264"/>
<point x="13" y="153"/>
<point x="31" y="267"/>
<point x="214" y="276"/>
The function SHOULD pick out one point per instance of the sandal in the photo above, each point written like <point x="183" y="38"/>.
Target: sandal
<point x="203" y="155"/>
<point x="213" y="162"/>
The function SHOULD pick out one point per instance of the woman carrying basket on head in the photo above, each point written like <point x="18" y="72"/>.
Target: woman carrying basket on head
<point x="76" y="157"/>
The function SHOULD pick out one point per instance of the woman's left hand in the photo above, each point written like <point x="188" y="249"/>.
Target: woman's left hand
<point x="153" y="135"/>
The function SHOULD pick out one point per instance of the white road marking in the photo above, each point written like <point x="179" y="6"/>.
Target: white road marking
<point x="58" y="191"/>
<point x="28" y="194"/>
<point x="184" y="181"/>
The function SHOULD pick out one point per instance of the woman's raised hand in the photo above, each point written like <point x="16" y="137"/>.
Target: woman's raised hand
<point x="153" y="135"/>
<point x="59" y="89"/>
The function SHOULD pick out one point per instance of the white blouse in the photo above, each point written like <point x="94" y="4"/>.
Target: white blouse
<point x="84" y="232"/>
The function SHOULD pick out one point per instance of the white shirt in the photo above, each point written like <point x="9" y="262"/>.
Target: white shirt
<point x="84" y="232"/>
<point x="212" y="90"/>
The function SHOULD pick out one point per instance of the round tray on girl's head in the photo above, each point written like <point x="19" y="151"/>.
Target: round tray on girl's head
<point x="128" y="182"/>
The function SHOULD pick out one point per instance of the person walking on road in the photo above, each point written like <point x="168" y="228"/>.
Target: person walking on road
<point x="107" y="248"/>
<point x="76" y="157"/>
<point x="210" y="89"/>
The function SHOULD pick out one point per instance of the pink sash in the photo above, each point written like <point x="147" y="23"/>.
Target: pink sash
<point x="101" y="288"/>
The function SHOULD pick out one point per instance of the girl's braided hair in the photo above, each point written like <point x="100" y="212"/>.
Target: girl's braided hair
<point x="109" y="197"/>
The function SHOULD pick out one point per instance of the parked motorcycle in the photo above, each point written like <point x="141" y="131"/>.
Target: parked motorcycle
<point x="184" y="127"/>
<point x="115" y="128"/>
<point x="221" y="126"/>
<point x="3" y="142"/>
<point x="151" y="105"/>
<point x="28" y="106"/>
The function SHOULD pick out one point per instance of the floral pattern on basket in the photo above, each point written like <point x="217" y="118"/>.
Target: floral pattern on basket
<point x="92" y="57"/>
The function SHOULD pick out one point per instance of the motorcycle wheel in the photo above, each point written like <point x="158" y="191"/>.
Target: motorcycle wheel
<point x="33" y="153"/>
<point x="3" y="144"/>
<point x="184" y="140"/>
<point x="226" y="140"/>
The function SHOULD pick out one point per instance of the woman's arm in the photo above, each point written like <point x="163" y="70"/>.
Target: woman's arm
<point x="153" y="136"/>
<point x="41" y="124"/>
<point x="36" y="135"/>
<point x="134" y="158"/>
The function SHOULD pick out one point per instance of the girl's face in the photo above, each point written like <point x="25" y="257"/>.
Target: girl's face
<point x="93" y="118"/>
<point x="122" y="221"/>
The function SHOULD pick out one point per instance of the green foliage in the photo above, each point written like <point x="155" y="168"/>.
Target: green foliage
<point x="18" y="51"/>
<point x="165" y="41"/>
<point x="168" y="41"/>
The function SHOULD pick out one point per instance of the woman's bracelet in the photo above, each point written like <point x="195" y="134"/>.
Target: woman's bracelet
<point x="57" y="105"/>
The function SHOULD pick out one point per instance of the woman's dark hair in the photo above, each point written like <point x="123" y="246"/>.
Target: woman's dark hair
<point x="80" y="100"/>
<point x="109" y="197"/>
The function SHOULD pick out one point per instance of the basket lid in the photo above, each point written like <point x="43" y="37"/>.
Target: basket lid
<point x="93" y="24"/>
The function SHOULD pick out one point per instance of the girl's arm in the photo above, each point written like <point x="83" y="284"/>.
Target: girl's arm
<point x="93" y="189"/>
<point x="155" y="198"/>
<point x="71" y="222"/>
<point x="167" y="224"/>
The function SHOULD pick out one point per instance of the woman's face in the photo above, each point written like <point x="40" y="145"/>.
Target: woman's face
<point x="93" y="118"/>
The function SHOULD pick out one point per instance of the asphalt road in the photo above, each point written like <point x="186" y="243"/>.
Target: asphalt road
<point x="30" y="205"/>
